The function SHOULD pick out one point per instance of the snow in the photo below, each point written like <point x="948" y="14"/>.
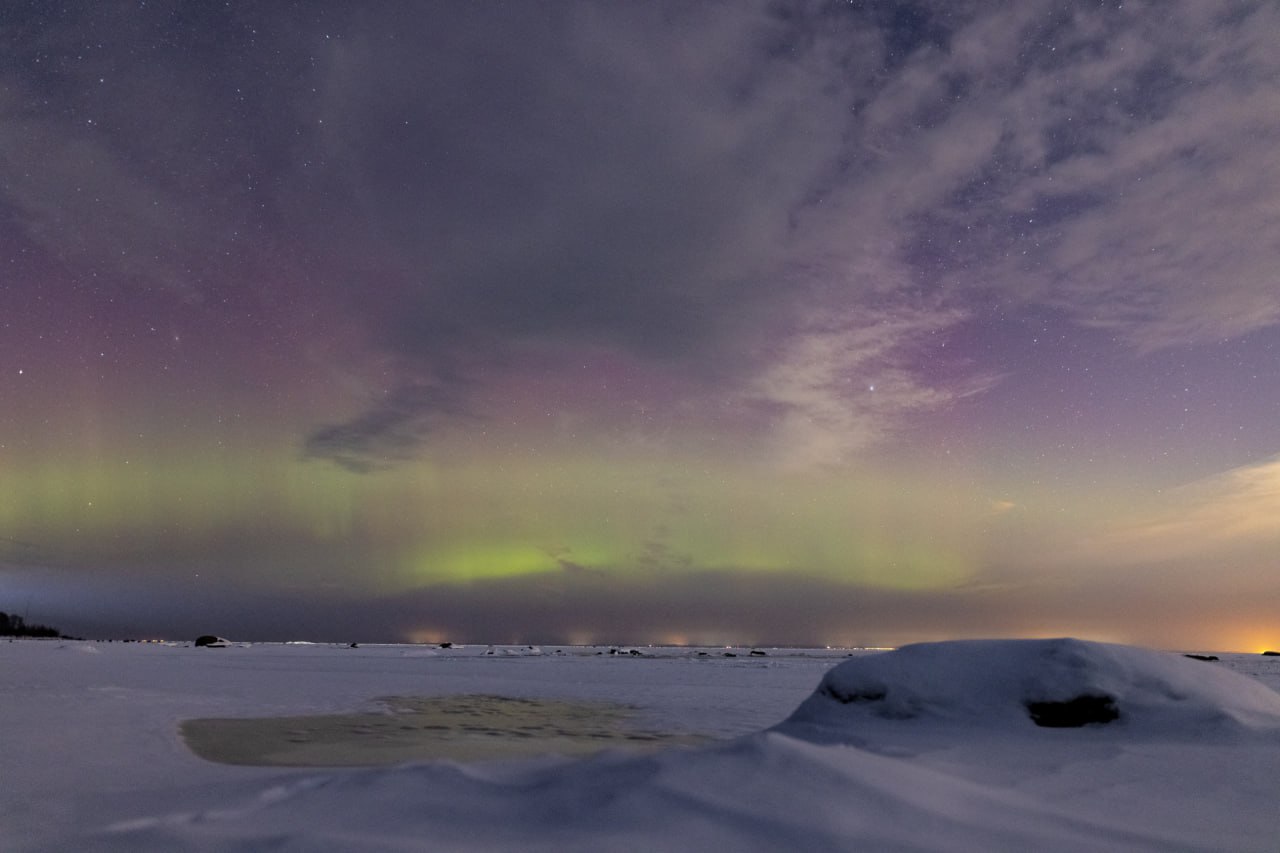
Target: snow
<point x="930" y="747"/>
<point x="990" y="684"/>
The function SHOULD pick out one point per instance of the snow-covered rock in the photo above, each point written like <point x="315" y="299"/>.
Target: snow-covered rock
<point x="1018" y="685"/>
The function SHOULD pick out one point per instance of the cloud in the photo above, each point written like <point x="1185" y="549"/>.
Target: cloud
<point x="696" y="212"/>
<point x="891" y="179"/>
<point x="390" y="431"/>
<point x="596" y="176"/>
<point x="1135" y="177"/>
<point x="764" y="199"/>
<point x="618" y="175"/>
<point x="1231" y="518"/>
<point x="847" y="382"/>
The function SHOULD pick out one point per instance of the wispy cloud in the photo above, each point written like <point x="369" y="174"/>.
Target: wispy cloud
<point x="1220" y="517"/>
<point x="1134" y="184"/>
<point x="392" y="430"/>
<point x="847" y="382"/>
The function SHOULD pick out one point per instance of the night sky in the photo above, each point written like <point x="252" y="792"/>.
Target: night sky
<point x="807" y="323"/>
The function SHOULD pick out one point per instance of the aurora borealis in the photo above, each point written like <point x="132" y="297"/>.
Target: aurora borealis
<point x="782" y="322"/>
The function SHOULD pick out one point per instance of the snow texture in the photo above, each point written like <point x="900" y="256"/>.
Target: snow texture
<point x="930" y="747"/>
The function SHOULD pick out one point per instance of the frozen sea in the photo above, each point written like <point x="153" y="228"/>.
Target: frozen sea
<point x="930" y="747"/>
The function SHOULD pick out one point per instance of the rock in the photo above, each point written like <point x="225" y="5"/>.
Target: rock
<point x="757" y="653"/>
<point x="1083" y="710"/>
<point x="848" y="698"/>
<point x="209" y="641"/>
<point x="1271" y="654"/>
<point x="1201" y="657"/>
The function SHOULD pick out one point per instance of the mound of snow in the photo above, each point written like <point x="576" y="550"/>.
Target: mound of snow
<point x="1019" y="685"/>
<point x="760" y="794"/>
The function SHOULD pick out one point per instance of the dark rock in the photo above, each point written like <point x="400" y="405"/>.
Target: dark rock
<point x="1073" y="713"/>
<point x="1271" y="654"/>
<point x="209" y="641"/>
<point x="852" y="698"/>
<point x="757" y="653"/>
<point x="355" y="645"/>
<point x="730" y="655"/>
<point x="446" y="645"/>
<point x="1201" y="657"/>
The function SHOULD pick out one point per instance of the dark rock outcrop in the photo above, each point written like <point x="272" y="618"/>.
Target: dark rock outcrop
<point x="1074" y="713"/>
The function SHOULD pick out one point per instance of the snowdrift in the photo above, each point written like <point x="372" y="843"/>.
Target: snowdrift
<point x="1004" y="687"/>
<point x="945" y="746"/>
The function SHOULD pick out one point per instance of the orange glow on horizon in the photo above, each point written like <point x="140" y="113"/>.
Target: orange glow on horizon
<point x="432" y="636"/>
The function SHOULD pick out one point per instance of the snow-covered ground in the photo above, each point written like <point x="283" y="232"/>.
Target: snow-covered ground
<point x="931" y="747"/>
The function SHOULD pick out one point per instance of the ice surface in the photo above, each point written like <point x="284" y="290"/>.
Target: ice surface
<point x="460" y="727"/>
<point x="931" y="747"/>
